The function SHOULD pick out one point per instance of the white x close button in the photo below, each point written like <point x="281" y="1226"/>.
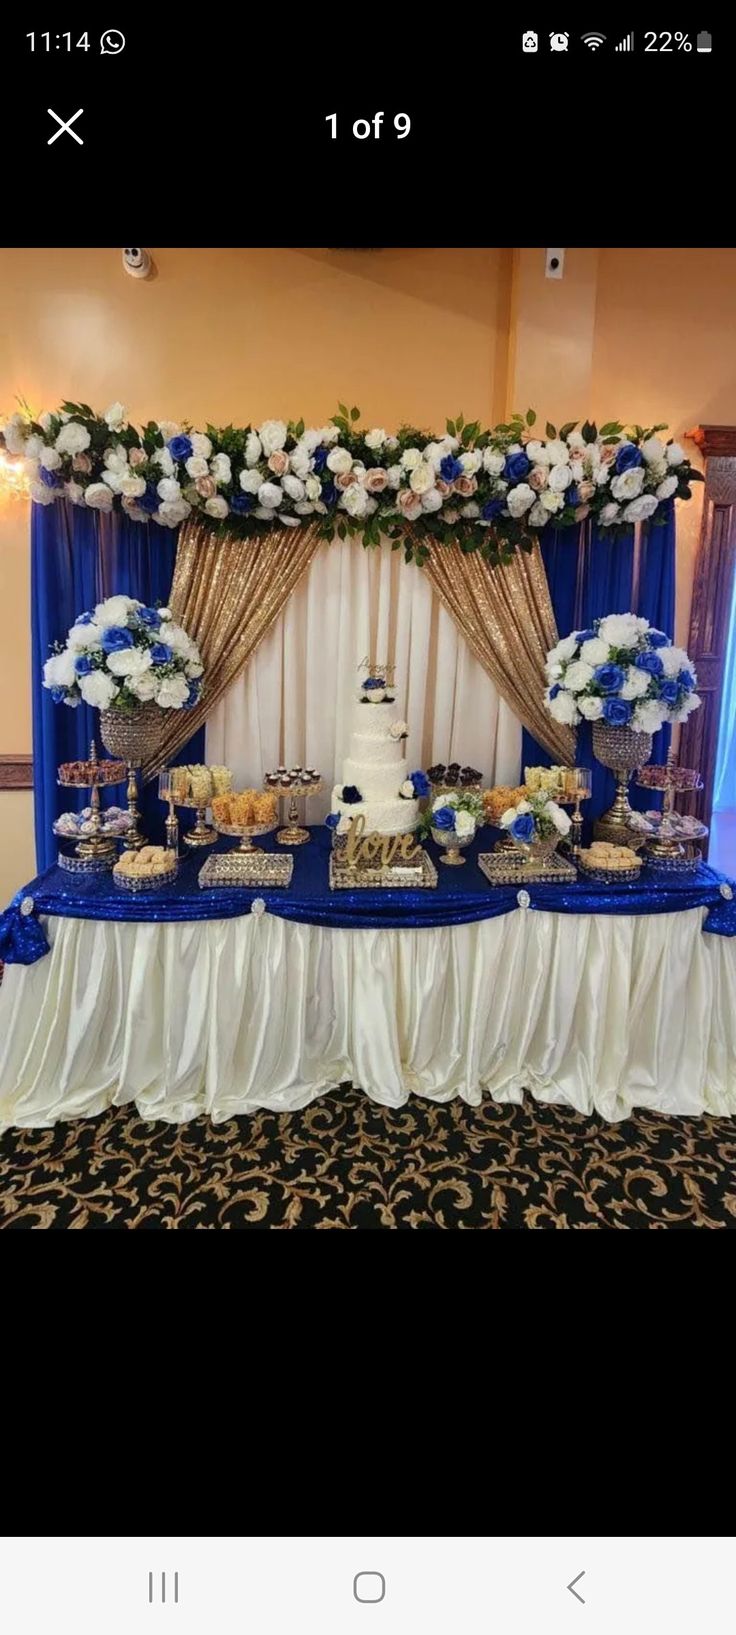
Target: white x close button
<point x="65" y="125"/>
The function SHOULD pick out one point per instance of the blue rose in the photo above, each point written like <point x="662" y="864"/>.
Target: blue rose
<point x="492" y="508"/>
<point x="161" y="654"/>
<point x="609" y="677"/>
<point x="373" y="682"/>
<point x="179" y="447"/>
<point x="240" y="503"/>
<point x="83" y="665"/>
<point x="332" y="820"/>
<point x="585" y="636"/>
<point x="149" y="616"/>
<point x="648" y="661"/>
<point x="657" y="638"/>
<point x="115" y="639"/>
<point x="444" y="818"/>
<point x="84" y="618"/>
<point x="50" y="478"/>
<point x="320" y="459"/>
<point x="669" y="693"/>
<point x="58" y="694"/>
<point x="617" y="711"/>
<point x="522" y="827"/>
<point x="686" y="679"/>
<point x="450" y="468"/>
<point x="350" y="795"/>
<point x="421" y="784"/>
<point x="193" y="695"/>
<point x="628" y="456"/>
<point x="329" y="494"/>
<point x="150" y="500"/>
<point x="516" y="467"/>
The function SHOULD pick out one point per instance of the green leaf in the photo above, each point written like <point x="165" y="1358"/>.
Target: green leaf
<point x="694" y="476"/>
<point x="450" y="428"/>
<point x="550" y="430"/>
<point x="589" y="431"/>
<point x="565" y="430"/>
<point x="611" y="428"/>
<point x="342" y="531"/>
<point x="459" y="423"/>
<point x="299" y="428"/>
<point x="683" y="492"/>
<point x="343" y="411"/>
<point x="467" y="436"/>
<point x="530" y="417"/>
<point x="355" y="414"/>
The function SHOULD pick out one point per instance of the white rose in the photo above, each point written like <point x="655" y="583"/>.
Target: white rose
<point x="14" y="432"/>
<point x="145" y="687"/>
<point x="559" y="817"/>
<point x="44" y="421"/>
<point x="171" y="512"/>
<point x="201" y="445"/>
<point x="564" y="709"/>
<point x="168" y="489"/>
<point x="116" y="417"/>
<point x="692" y="702"/>
<point x="591" y="708"/>
<point x="304" y="508"/>
<point x="113" y="611"/>
<point x="355" y="500"/>
<point x="535" y="450"/>
<point x="293" y="487"/>
<point x="666" y="488"/>
<point x="164" y="613"/>
<point x="72" y="439"/>
<point x="163" y="459"/>
<point x="619" y="629"/>
<point x="653" y="450"/>
<point x="273" y="434"/>
<point x="538" y="516"/>
<point x="50" y="459"/>
<point x="432" y="500"/>
<point x="639" y="510"/>
<point x="471" y="510"/>
<point x="328" y="435"/>
<point x="577" y="441"/>
<point x="471" y="462"/>
<point x="99" y="496"/>
<point x="493" y="462"/>
<point x="250" y="481"/>
<point x="196" y="466"/>
<point x="649" y="716"/>
<point x="217" y="507"/>
<point x="407" y="789"/>
<point x="376" y="438"/>
<point x="520" y="499"/>
<point x="116" y="459"/>
<point x="564" y="650"/>
<point x="464" y="824"/>
<point x="557" y="452"/>
<point x="523" y="806"/>
<point x="265" y="515"/>
<point x="301" y="463"/>
<point x="131" y="662"/>
<point x="395" y="476"/>
<point x="98" y="689"/>
<point x="221" y="468"/>
<point x="422" y="478"/>
<point x="410" y="458"/>
<point x="83" y="636"/>
<point x="253" y="450"/>
<point x="578" y="470"/>
<point x="609" y="514"/>
<point x="673" y="659"/>
<point x="132" y="486"/>
<point x="551" y="500"/>
<point x="628" y="483"/>
<point x="114" y="480"/>
<point x="636" y="683"/>
<point x="339" y="460"/>
<point x="312" y="487"/>
<point x="578" y="675"/>
<point x="675" y="454"/>
<point x="288" y="522"/>
<point x="595" y="651"/>
<point x="601" y="476"/>
<point x="173" y="692"/>
<point x="506" y="819"/>
<point x="178" y="640"/>
<point x="270" y="495"/>
<point x="74" y="492"/>
<point x="169" y="429"/>
<point x="560" y="478"/>
<point x="59" y="671"/>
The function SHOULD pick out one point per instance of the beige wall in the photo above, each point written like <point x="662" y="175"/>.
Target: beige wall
<point x="407" y="334"/>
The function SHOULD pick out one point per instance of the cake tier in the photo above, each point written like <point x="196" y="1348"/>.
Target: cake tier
<point x="374" y="719"/>
<point x="375" y="781"/>
<point x="379" y="751"/>
<point x="389" y="817"/>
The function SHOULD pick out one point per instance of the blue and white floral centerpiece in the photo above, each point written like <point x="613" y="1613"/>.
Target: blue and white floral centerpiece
<point x="452" y="821"/>
<point x="536" y="825"/>
<point x="628" y="679"/>
<point x="124" y="655"/>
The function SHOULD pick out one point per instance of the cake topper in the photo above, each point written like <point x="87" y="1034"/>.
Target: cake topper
<point x="377" y="672"/>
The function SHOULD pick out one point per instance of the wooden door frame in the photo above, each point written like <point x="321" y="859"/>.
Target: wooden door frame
<point x="711" y="609"/>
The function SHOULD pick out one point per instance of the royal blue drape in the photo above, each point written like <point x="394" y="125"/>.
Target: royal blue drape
<point x="591" y="573"/>
<point x="724" y="794"/>
<point x="77" y="558"/>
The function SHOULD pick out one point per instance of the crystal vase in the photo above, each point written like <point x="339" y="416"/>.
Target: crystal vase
<point x="133" y="736"/>
<point x="622" y="750"/>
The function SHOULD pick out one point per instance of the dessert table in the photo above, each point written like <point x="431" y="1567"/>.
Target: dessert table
<point x="182" y="1002"/>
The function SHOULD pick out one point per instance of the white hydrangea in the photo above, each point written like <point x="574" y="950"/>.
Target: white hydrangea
<point x="471" y="462"/>
<point x="578" y="675"/>
<point x="559" y="817"/>
<point x="173" y="692"/>
<point x="610" y="513"/>
<point x="273" y="435"/>
<point x="464" y="824"/>
<point x="50" y="459"/>
<point x="201" y="445"/>
<point x="535" y="451"/>
<point x="591" y="708"/>
<point x="636" y="683"/>
<point x="432" y="500"/>
<point x="270" y="495"/>
<point x="653" y="451"/>
<point x="410" y="458"/>
<point x="168" y="489"/>
<point x="145" y="686"/>
<point x="99" y="496"/>
<point x="98" y="689"/>
<point x="41" y="494"/>
<point x="538" y="516"/>
<point x="649" y="716"/>
<point x="666" y="488"/>
<point x="163" y="459"/>
<point x="620" y="629"/>
<point x="133" y="661"/>
<point x="293" y="486"/>
<point x="675" y="454"/>
<point x="217" y="507"/>
<point x="519" y="500"/>
<point x="250" y="481"/>
<point x="595" y="651"/>
<point x="564" y="709"/>
<point x="395" y="476"/>
<point x="673" y="659"/>
<point x="253" y="450"/>
<point x="557" y="452"/>
<point x="72" y="439"/>
<point x="59" y="671"/>
<point x="221" y="468"/>
<point x="640" y="510"/>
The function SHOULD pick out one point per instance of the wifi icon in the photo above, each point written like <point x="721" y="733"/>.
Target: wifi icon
<point x="593" y="41"/>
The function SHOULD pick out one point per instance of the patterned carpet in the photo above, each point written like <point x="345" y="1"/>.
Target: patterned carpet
<point x="347" y="1163"/>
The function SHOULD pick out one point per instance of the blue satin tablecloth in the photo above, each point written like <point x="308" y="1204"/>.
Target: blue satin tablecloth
<point x="461" y="895"/>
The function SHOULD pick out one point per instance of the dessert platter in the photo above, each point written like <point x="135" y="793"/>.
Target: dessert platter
<point x="669" y="837"/>
<point x="295" y="784"/>
<point x="194" y="787"/>
<point x="94" y="831"/>
<point x="244" y="814"/>
<point x="446" y="778"/>
<point x="609" y="863"/>
<point x="146" y="869"/>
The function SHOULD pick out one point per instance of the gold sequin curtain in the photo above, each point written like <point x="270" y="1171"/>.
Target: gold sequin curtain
<point x="226" y="593"/>
<point x="506" y="617"/>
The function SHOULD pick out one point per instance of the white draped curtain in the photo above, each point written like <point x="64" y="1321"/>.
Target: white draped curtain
<point x="292" y="705"/>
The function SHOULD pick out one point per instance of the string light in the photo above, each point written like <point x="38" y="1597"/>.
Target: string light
<point x="13" y="480"/>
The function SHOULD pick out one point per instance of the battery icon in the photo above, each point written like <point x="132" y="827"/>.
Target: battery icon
<point x="705" y="42"/>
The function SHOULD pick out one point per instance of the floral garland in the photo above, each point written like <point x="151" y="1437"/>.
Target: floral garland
<point x="124" y="654"/>
<point x="623" y="672"/>
<point x="490" y="490"/>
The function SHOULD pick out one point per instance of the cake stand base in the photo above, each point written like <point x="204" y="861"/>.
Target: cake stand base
<point x="452" y="859"/>
<point x="200" y="837"/>
<point x="292" y="837"/>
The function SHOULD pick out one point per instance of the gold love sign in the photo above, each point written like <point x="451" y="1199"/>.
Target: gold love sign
<point x="378" y="849"/>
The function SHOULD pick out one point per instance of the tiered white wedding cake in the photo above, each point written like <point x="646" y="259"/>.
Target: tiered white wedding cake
<point x="376" y="769"/>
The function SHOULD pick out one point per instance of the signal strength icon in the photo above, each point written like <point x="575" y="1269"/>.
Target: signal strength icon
<point x="627" y="43"/>
<point x="593" y="41"/>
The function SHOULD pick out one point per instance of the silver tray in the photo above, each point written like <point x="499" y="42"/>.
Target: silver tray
<point x="675" y="865"/>
<point x="505" y="869"/>
<point x="146" y="882"/>
<point x="238" y="868"/>
<point x="610" y="877"/>
<point x="87" y="865"/>
<point x="389" y="878"/>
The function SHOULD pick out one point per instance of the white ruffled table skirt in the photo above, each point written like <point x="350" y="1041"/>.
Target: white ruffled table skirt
<point x="603" y="1013"/>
